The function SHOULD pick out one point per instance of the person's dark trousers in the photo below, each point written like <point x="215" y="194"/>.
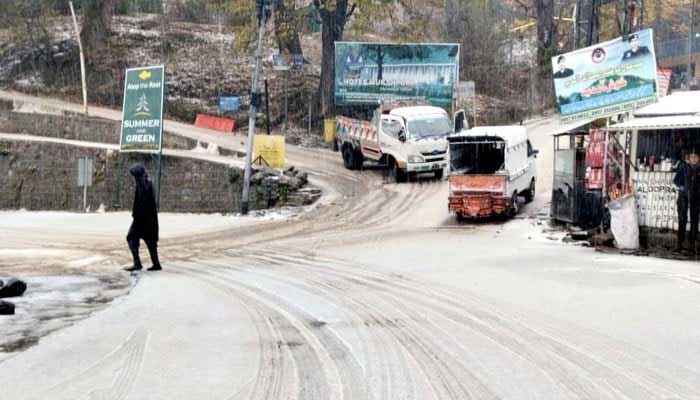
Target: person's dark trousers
<point x="694" y="217"/>
<point x="682" y="205"/>
<point x="134" y="247"/>
<point x="152" y="251"/>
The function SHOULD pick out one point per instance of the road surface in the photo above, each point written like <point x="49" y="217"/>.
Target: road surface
<point x="380" y="294"/>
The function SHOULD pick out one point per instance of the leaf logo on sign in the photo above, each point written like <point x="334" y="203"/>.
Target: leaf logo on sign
<point x="145" y="74"/>
<point x="142" y="107"/>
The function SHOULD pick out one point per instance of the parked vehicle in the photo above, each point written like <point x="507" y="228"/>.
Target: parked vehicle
<point x="408" y="140"/>
<point x="490" y="168"/>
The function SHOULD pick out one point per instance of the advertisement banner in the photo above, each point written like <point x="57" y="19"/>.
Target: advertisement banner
<point x="142" y="112"/>
<point x="368" y="72"/>
<point x="607" y="78"/>
<point x="269" y="150"/>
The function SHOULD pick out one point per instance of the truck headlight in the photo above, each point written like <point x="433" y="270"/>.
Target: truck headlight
<point x="416" y="159"/>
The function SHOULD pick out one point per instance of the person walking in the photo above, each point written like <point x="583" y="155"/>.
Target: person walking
<point x="687" y="180"/>
<point x="145" y="220"/>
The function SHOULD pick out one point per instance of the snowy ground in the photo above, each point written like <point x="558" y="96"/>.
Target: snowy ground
<point x="381" y="294"/>
<point x="69" y="272"/>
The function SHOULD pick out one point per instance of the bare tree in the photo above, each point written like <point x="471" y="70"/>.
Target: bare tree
<point x="97" y="23"/>
<point x="334" y="16"/>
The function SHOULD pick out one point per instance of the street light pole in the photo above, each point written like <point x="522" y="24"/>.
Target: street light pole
<point x="254" y="104"/>
<point x="82" y="57"/>
<point x="689" y="72"/>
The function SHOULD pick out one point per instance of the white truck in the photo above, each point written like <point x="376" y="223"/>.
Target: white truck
<point x="408" y="140"/>
<point x="490" y="168"/>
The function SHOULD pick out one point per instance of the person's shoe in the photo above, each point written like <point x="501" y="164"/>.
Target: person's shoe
<point x="155" y="268"/>
<point x="133" y="268"/>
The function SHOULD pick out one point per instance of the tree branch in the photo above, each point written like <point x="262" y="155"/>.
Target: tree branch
<point x="351" y="12"/>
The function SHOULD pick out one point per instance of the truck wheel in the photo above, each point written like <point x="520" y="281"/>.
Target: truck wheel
<point x="348" y="157"/>
<point x="439" y="173"/>
<point x="514" y="205"/>
<point x="358" y="159"/>
<point x="530" y="192"/>
<point x="397" y="174"/>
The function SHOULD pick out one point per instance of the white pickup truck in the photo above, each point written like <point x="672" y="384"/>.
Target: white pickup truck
<point x="409" y="140"/>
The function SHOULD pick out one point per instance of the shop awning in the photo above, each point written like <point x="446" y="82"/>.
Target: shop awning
<point x="658" y="123"/>
<point x="561" y="129"/>
<point x="676" y="103"/>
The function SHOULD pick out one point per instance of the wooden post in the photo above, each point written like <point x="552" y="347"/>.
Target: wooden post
<point x="82" y="58"/>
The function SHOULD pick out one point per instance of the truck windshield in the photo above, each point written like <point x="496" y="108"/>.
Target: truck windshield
<point x="429" y="126"/>
<point x="480" y="156"/>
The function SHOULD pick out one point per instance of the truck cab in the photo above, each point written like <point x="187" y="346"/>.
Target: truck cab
<point x="409" y="140"/>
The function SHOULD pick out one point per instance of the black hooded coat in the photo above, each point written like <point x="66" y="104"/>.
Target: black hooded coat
<point x="144" y="212"/>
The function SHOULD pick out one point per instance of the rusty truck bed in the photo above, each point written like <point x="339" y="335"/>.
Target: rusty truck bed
<point x="478" y="196"/>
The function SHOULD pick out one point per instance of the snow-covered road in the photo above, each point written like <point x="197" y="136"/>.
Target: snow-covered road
<point x="379" y="294"/>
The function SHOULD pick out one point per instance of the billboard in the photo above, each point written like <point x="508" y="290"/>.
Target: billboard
<point x="607" y="78"/>
<point x="142" y="118"/>
<point x="368" y="72"/>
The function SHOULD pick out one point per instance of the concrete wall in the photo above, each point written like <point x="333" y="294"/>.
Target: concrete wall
<point x="43" y="176"/>
<point x="75" y="127"/>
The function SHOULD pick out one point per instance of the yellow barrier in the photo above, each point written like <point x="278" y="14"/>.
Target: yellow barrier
<point x="329" y="130"/>
<point x="269" y="150"/>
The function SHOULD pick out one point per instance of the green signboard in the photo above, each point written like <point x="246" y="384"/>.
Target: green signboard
<point x="142" y="118"/>
<point x="368" y="72"/>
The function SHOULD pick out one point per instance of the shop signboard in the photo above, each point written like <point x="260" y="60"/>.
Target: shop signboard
<point x="366" y="73"/>
<point x="664" y="79"/>
<point x="607" y="78"/>
<point x="142" y="118"/>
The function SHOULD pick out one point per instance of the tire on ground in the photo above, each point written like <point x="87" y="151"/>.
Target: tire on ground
<point x="348" y="156"/>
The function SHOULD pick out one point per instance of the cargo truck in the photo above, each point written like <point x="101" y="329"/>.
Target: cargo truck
<point x="409" y="140"/>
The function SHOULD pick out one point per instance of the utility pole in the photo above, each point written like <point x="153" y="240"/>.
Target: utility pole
<point x="82" y="58"/>
<point x="263" y="8"/>
<point x="689" y="70"/>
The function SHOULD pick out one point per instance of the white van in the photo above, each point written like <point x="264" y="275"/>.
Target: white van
<point x="490" y="167"/>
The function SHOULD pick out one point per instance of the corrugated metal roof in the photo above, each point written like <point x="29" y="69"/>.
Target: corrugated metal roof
<point x="653" y="123"/>
<point x="677" y="103"/>
<point x="561" y="129"/>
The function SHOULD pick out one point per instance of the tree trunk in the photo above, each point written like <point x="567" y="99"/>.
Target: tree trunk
<point x="546" y="49"/>
<point x="333" y="20"/>
<point x="97" y="21"/>
<point x="286" y="32"/>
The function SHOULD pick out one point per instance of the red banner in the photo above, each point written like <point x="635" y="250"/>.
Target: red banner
<point x="663" y="76"/>
<point x="215" y="123"/>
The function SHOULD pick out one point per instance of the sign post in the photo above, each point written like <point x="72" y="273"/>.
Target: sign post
<point x="142" y="118"/>
<point x="465" y="90"/>
<point x="85" y="171"/>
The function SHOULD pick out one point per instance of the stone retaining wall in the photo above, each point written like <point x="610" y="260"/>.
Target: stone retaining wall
<point x="43" y="176"/>
<point x="75" y="127"/>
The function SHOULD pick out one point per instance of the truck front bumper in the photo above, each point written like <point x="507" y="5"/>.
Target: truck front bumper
<point x="426" y="166"/>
